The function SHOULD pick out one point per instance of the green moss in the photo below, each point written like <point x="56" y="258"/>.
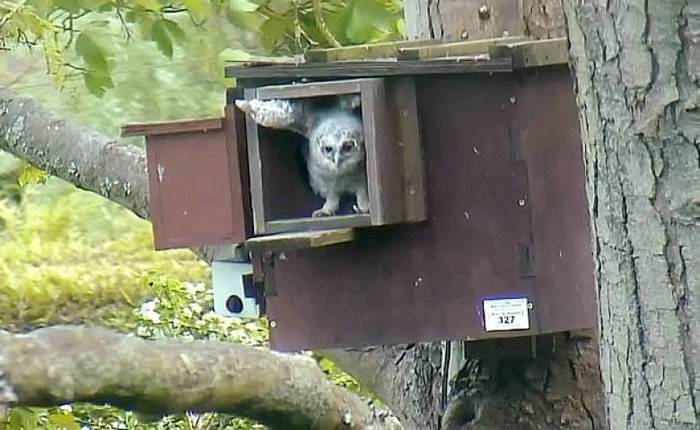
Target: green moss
<point x="71" y="256"/>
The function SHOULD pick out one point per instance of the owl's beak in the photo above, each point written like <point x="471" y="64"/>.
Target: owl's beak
<point x="336" y="159"/>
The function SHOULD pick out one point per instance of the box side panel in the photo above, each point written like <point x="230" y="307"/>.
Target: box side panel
<point x="424" y="281"/>
<point x="236" y="146"/>
<point x="550" y="138"/>
<point x="191" y="190"/>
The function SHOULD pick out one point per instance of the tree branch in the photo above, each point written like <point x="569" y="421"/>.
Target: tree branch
<point x="64" y="364"/>
<point x="89" y="160"/>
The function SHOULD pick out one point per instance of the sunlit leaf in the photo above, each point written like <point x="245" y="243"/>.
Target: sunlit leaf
<point x="200" y="9"/>
<point x="31" y="175"/>
<point x="22" y="419"/>
<point x="64" y="421"/>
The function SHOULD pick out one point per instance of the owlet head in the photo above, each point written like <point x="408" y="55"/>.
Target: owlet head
<point x="339" y="140"/>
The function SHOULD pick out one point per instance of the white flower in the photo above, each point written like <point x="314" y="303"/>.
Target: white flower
<point x="196" y="308"/>
<point x="66" y="408"/>
<point x="193" y="289"/>
<point x="149" y="306"/>
<point x="151" y="316"/>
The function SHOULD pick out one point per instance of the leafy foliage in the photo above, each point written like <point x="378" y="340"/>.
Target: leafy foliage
<point x="74" y="34"/>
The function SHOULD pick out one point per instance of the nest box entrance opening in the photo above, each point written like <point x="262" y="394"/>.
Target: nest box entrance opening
<point x="286" y="193"/>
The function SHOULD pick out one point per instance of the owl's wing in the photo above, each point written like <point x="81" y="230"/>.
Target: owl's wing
<point x="281" y="114"/>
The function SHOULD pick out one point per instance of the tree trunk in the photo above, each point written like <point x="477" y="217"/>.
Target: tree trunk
<point x="637" y="65"/>
<point x="562" y="391"/>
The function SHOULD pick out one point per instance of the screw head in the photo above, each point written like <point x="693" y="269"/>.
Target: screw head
<point x="484" y="12"/>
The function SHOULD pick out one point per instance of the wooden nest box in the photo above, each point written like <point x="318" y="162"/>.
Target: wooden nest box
<point x="478" y="226"/>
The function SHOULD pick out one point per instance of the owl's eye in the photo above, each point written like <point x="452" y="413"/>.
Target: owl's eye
<point x="348" y="145"/>
<point x="327" y="149"/>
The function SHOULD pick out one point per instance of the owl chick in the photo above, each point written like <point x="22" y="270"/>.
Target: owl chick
<point x="335" y="150"/>
<point x="336" y="161"/>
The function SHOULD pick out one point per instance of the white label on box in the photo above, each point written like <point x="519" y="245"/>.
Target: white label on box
<point x="506" y="314"/>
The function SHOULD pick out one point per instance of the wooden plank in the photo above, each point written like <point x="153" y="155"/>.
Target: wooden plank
<point x="375" y="50"/>
<point x="300" y="240"/>
<point x="384" y="157"/>
<point x="402" y="99"/>
<point x="534" y="53"/>
<point x="255" y="168"/>
<point x="320" y="223"/>
<point x="313" y="89"/>
<point x="370" y="69"/>
<point x="456" y="49"/>
<point x="169" y="127"/>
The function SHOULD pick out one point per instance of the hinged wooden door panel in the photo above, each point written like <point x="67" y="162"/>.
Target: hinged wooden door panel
<point x="198" y="180"/>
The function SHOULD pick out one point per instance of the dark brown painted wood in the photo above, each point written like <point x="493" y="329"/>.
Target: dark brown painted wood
<point x="402" y="101"/>
<point x="315" y="89"/>
<point x="198" y="185"/>
<point x="356" y="69"/>
<point x="155" y="128"/>
<point x="487" y="202"/>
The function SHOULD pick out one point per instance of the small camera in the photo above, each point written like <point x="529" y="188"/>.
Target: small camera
<point x="235" y="293"/>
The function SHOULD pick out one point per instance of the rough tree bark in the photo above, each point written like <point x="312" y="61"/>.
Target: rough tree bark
<point x="63" y="364"/>
<point x="637" y="65"/>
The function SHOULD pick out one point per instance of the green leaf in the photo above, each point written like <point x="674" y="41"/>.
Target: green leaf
<point x="160" y="35"/>
<point x="368" y="16"/>
<point x="174" y="30"/>
<point x="64" y="421"/>
<point x="33" y="22"/>
<point x="22" y="419"/>
<point x="91" y="52"/>
<point x="199" y="9"/>
<point x="97" y="82"/>
<point x="246" y="20"/>
<point x="71" y="6"/>
<point x="149" y="4"/>
<point x="274" y="30"/>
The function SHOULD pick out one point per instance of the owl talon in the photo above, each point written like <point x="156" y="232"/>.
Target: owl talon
<point x="358" y="210"/>
<point x="321" y="213"/>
